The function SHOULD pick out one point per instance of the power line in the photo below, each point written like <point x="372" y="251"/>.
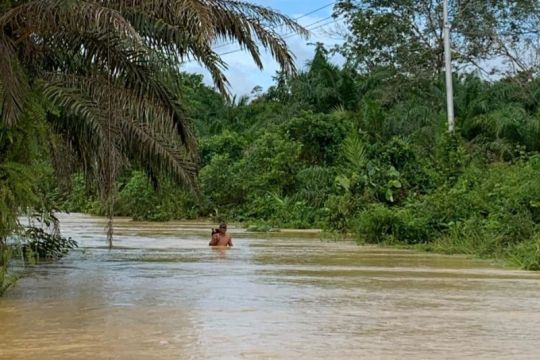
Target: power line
<point x="289" y="35"/>
<point x="308" y="27"/>
<point x="295" y="19"/>
<point x="314" y="11"/>
<point x="314" y="23"/>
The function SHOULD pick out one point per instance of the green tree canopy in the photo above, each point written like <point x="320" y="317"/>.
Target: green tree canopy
<point x="408" y="35"/>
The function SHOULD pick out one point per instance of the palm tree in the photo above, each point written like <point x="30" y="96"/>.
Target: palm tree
<point x="103" y="72"/>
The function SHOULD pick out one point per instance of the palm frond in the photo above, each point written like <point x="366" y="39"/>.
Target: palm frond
<point x="13" y="83"/>
<point x="105" y="65"/>
<point x="43" y="18"/>
<point x="188" y="28"/>
<point x="131" y="69"/>
<point x="142" y="130"/>
<point x="354" y="150"/>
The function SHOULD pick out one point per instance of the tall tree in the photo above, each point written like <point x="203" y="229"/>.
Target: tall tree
<point x="322" y="87"/>
<point x="102" y="71"/>
<point x="502" y="35"/>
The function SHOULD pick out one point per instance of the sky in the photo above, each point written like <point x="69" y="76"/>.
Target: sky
<point x="242" y="72"/>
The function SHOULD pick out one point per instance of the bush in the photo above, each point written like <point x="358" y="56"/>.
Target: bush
<point x="79" y="198"/>
<point x="320" y="135"/>
<point x="38" y="244"/>
<point x="314" y="185"/>
<point x="222" y="184"/>
<point x="270" y="164"/>
<point x="379" y="223"/>
<point x="139" y="199"/>
<point x="490" y="211"/>
<point x="527" y="253"/>
<point x="227" y="143"/>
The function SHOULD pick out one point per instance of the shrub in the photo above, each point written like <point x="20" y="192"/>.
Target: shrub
<point x="527" y="253"/>
<point x="320" y="135"/>
<point x="379" y="223"/>
<point x="39" y="244"/>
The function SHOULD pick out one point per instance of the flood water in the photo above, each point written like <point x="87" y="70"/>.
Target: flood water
<point x="163" y="294"/>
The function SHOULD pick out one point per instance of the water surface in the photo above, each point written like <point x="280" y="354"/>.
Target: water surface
<point x="163" y="294"/>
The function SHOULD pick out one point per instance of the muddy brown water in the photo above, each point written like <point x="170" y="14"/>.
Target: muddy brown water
<point x="163" y="294"/>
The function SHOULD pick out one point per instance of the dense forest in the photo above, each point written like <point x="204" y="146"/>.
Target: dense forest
<point x="360" y="149"/>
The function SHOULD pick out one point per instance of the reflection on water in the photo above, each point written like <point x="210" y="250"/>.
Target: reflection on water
<point x="164" y="294"/>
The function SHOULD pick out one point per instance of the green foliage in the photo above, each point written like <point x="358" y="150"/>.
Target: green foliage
<point x="407" y="35"/>
<point x="526" y="254"/>
<point x="320" y="135"/>
<point x="322" y="88"/>
<point x="281" y="212"/>
<point x="270" y="165"/>
<point x="136" y="197"/>
<point x="80" y="199"/>
<point x="22" y="170"/>
<point x="450" y="158"/>
<point x="226" y="143"/>
<point x="39" y="244"/>
<point x="222" y="182"/>
<point x="502" y="119"/>
<point x="378" y="224"/>
<point x="491" y="211"/>
<point x="314" y="185"/>
<point x="201" y="103"/>
<point x="17" y="189"/>
<point x="6" y="279"/>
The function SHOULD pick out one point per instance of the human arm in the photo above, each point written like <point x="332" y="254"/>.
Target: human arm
<point x="229" y="243"/>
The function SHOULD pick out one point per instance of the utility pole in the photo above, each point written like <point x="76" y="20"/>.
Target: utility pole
<point x="448" y="65"/>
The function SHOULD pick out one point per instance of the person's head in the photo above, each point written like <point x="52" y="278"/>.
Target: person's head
<point x="222" y="228"/>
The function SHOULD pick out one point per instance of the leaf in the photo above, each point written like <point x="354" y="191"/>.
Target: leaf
<point x="395" y="184"/>
<point x="344" y="182"/>
<point x="393" y="172"/>
<point x="389" y="195"/>
<point x="354" y="150"/>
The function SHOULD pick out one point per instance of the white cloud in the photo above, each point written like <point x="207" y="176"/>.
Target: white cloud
<point x="244" y="75"/>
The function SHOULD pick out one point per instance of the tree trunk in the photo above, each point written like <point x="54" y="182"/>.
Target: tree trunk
<point x="2" y="249"/>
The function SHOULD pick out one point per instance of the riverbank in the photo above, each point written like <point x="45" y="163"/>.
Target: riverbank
<point x="488" y="210"/>
<point x="470" y="247"/>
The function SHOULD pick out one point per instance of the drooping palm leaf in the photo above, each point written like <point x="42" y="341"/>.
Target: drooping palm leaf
<point x="13" y="83"/>
<point x="180" y="29"/>
<point x="142" y="129"/>
<point x="187" y="28"/>
<point x="106" y="67"/>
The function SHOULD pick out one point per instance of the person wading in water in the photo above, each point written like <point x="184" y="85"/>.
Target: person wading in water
<point x="220" y="236"/>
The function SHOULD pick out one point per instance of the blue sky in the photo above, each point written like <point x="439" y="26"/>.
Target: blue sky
<point x="244" y="75"/>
